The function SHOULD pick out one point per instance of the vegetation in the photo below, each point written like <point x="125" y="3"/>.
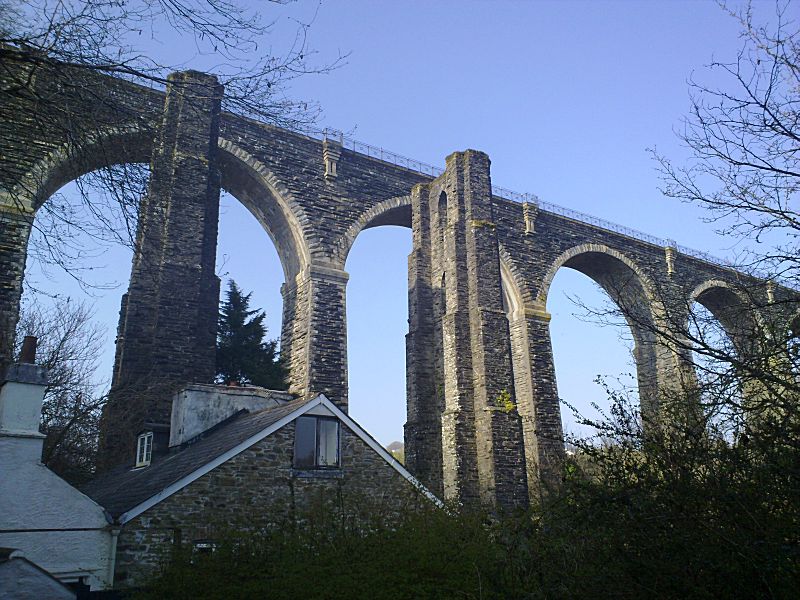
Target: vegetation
<point x="695" y="519"/>
<point x="398" y="451"/>
<point x="243" y="356"/>
<point x="69" y="346"/>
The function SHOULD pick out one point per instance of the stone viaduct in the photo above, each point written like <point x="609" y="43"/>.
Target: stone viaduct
<point x="483" y="410"/>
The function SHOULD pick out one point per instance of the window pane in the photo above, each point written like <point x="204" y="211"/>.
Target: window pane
<point x="328" y="443"/>
<point x="304" y="441"/>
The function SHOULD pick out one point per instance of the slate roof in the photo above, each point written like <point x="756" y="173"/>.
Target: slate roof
<point x="125" y="488"/>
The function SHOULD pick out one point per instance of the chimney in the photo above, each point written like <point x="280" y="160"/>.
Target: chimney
<point x="21" y="397"/>
<point x="199" y="407"/>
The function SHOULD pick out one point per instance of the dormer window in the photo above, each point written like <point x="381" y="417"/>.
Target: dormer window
<point x="144" y="449"/>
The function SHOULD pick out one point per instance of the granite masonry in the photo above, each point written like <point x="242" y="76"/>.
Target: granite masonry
<point x="483" y="410"/>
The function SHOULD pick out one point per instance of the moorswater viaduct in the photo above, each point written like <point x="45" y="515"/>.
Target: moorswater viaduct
<point x="483" y="420"/>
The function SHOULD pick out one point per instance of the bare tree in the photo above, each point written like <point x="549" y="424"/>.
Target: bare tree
<point x="743" y="134"/>
<point x="64" y="39"/>
<point x="744" y="137"/>
<point x="69" y="347"/>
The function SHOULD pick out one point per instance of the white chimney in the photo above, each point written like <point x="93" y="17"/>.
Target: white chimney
<point x="21" y="397"/>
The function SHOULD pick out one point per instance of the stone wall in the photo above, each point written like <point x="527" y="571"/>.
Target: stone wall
<point x="257" y="488"/>
<point x="168" y="322"/>
<point x="313" y="198"/>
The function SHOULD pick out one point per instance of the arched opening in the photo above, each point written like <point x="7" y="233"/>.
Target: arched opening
<point x="79" y="253"/>
<point x="590" y="358"/>
<point x="601" y="289"/>
<point x="724" y="334"/>
<point x="245" y="180"/>
<point x="377" y="324"/>
<point x="719" y="389"/>
<point x="78" y="261"/>
<point x="246" y="255"/>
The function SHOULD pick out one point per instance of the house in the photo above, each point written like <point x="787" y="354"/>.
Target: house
<point x="54" y="526"/>
<point x="20" y="579"/>
<point x="254" y="459"/>
<point x="232" y="458"/>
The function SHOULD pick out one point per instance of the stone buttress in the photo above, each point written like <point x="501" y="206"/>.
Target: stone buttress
<point x="168" y="320"/>
<point x="456" y="314"/>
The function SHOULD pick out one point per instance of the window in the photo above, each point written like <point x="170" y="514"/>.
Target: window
<point x="144" y="449"/>
<point x="316" y="443"/>
<point x="204" y="546"/>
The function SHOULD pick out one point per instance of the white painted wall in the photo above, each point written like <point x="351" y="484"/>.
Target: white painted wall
<point x="198" y="407"/>
<point x="32" y="497"/>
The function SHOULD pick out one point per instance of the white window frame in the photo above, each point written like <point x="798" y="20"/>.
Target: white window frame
<point x="144" y="449"/>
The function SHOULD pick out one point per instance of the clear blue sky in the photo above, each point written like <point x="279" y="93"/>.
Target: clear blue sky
<point x="565" y="97"/>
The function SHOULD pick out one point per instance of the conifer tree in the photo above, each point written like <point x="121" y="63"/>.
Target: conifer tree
<point x="243" y="355"/>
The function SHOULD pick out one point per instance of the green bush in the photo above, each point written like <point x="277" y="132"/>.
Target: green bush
<point x="655" y="514"/>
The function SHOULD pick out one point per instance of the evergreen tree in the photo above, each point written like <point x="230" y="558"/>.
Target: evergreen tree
<point x="243" y="356"/>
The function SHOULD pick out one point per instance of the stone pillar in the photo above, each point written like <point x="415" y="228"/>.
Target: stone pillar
<point x="678" y="402"/>
<point x="327" y="333"/>
<point x="464" y="433"/>
<point x="459" y="342"/>
<point x="15" y="228"/>
<point x="423" y="428"/>
<point x="645" y="353"/>
<point x="500" y="446"/>
<point x="314" y="336"/>
<point x="540" y="408"/>
<point x="167" y="331"/>
<point x="294" y="333"/>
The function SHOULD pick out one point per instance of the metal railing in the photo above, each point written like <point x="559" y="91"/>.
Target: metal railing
<point x="501" y="192"/>
<point x="378" y="153"/>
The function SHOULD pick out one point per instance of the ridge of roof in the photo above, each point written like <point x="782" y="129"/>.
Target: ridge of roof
<point x="128" y="493"/>
<point x="125" y="487"/>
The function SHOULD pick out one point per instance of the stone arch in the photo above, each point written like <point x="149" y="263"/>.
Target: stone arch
<point x="515" y="293"/>
<point x="634" y="293"/>
<point x="19" y="204"/>
<point x="269" y="201"/>
<point x="751" y="358"/>
<point x="108" y="147"/>
<point x="568" y="259"/>
<point x="242" y="175"/>
<point x="736" y="313"/>
<point x="793" y="322"/>
<point x="791" y="329"/>
<point x="394" y="211"/>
